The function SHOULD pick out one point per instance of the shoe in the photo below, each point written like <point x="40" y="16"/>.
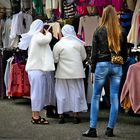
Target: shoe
<point x="109" y="132"/>
<point x="53" y="115"/>
<point x="40" y="120"/>
<point x="51" y="112"/>
<point x="61" y="120"/>
<point x="76" y="120"/>
<point x="90" y="133"/>
<point x="66" y="115"/>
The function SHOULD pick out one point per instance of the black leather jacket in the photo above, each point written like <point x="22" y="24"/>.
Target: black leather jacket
<point x="100" y="50"/>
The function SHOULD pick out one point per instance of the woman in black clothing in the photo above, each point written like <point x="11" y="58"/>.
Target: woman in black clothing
<point x="108" y="36"/>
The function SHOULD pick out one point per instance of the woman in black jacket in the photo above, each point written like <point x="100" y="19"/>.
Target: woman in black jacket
<point x="107" y="37"/>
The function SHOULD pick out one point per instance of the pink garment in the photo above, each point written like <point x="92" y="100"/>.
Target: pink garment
<point x="131" y="87"/>
<point x="117" y="4"/>
<point x="84" y="1"/>
<point x="88" y="24"/>
<point x="56" y="13"/>
<point x="102" y="3"/>
<point x="100" y="10"/>
<point x="81" y="10"/>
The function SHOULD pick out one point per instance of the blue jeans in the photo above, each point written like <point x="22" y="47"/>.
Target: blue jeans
<point x="103" y="71"/>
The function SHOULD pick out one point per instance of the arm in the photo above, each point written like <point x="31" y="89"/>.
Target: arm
<point x="83" y="53"/>
<point x="44" y="39"/>
<point x="56" y="53"/>
<point x="80" y="26"/>
<point x="94" y="51"/>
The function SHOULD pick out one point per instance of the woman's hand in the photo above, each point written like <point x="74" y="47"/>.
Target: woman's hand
<point x="45" y="31"/>
<point x="91" y="77"/>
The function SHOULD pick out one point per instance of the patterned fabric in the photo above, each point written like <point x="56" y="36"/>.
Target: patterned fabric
<point x="68" y="10"/>
<point x="70" y="1"/>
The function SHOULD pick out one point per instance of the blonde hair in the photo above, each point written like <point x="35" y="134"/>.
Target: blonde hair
<point x="110" y="20"/>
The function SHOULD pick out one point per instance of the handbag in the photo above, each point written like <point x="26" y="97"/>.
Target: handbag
<point x="116" y="58"/>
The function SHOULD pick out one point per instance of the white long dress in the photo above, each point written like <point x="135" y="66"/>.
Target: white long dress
<point x="70" y="95"/>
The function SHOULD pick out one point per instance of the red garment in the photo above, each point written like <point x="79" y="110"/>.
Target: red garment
<point x="81" y="10"/>
<point x="117" y="4"/>
<point x="19" y="83"/>
<point x="131" y="88"/>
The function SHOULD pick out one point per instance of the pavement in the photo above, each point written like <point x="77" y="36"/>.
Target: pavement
<point x="15" y="124"/>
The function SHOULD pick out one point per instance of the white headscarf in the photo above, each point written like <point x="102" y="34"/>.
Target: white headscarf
<point x="25" y="40"/>
<point x="69" y="32"/>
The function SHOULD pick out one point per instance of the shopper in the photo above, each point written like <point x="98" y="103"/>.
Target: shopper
<point x="69" y="53"/>
<point x="108" y="36"/>
<point x="51" y="109"/>
<point x="39" y="64"/>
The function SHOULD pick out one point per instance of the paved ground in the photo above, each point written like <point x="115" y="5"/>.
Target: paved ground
<point x="15" y="124"/>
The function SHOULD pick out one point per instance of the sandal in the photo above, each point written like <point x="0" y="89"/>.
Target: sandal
<point x="39" y="121"/>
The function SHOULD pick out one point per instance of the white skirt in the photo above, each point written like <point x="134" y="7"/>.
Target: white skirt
<point x="70" y="95"/>
<point x="42" y="89"/>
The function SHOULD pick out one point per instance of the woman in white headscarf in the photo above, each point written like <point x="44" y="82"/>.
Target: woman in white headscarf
<point x="39" y="63"/>
<point x="69" y="53"/>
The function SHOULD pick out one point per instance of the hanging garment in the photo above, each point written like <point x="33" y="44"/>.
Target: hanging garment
<point x="16" y="7"/>
<point x="117" y="4"/>
<point x="1" y="76"/>
<point x="38" y="7"/>
<point x="6" y="33"/>
<point x="18" y="85"/>
<point x="85" y="23"/>
<point x="130" y="60"/>
<point x="51" y="5"/>
<point x="7" y="73"/>
<point x="1" y="31"/>
<point x="69" y="10"/>
<point x="26" y="4"/>
<point x="134" y="34"/>
<point x="20" y="24"/>
<point x="126" y="19"/>
<point x="56" y="29"/>
<point x="131" y="4"/>
<point x="70" y="1"/>
<point x="131" y="88"/>
<point x="81" y="10"/>
<point x="132" y="38"/>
